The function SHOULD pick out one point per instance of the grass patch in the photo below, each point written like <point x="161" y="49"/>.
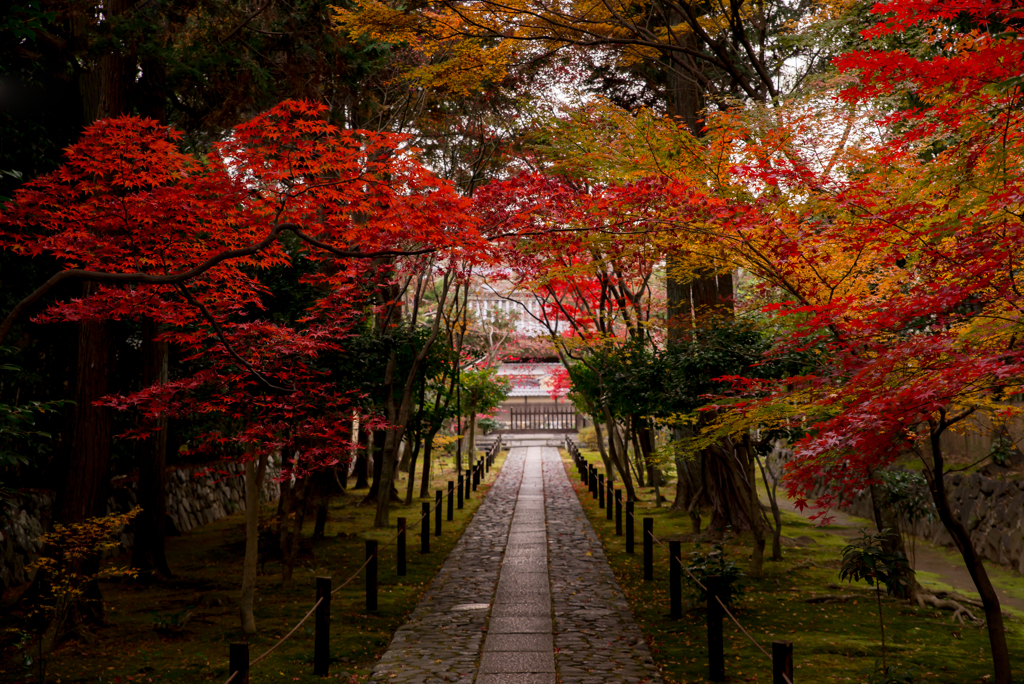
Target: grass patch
<point x="833" y="642"/>
<point x="179" y="630"/>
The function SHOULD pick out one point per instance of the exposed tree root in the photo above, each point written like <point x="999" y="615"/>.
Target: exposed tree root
<point x="943" y="602"/>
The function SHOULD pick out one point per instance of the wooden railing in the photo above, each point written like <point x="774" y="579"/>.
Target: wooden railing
<point x="543" y="419"/>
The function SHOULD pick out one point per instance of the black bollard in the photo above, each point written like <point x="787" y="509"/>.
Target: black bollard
<point x="618" y="512"/>
<point x="584" y="474"/>
<point x="782" y="662"/>
<point x="716" y="645"/>
<point x="400" y="548"/>
<point x="322" y="628"/>
<point x="238" y="663"/>
<point x="600" y="490"/>
<point x="460" y="491"/>
<point x="371" y="575"/>
<point x="675" y="587"/>
<point x="425" y="528"/>
<point x="469" y="482"/>
<point x="451" y="501"/>
<point x="629" y="527"/>
<point x="438" y="496"/>
<point x="648" y="549"/>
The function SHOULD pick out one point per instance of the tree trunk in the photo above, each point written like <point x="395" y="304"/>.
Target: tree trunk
<point x="771" y="488"/>
<point x="608" y="468"/>
<point x="617" y="453"/>
<point x="962" y="539"/>
<point x="380" y="438"/>
<point x="471" y="442"/>
<point x="149" y="551"/>
<point x="428" y="447"/>
<point x="362" y="468"/>
<point x="637" y="460"/>
<point x="411" y="484"/>
<point x="254" y="472"/>
<point x="293" y="524"/>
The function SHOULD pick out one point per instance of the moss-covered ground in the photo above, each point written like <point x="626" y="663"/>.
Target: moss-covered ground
<point x="179" y="630"/>
<point x="832" y="642"/>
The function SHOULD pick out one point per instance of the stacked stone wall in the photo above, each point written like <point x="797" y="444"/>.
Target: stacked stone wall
<point x="991" y="509"/>
<point x="193" y="496"/>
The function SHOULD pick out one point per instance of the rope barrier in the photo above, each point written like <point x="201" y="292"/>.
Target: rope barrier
<point x="285" y="637"/>
<point x="356" y="574"/>
<point x="717" y="598"/>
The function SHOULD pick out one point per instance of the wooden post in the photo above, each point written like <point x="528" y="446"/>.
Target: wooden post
<point x="425" y="528"/>
<point x="585" y="474"/>
<point x="716" y="644"/>
<point x="629" y="527"/>
<point x="438" y="500"/>
<point x="675" y="587"/>
<point x="451" y="501"/>
<point x="322" y="629"/>
<point x="600" y="490"/>
<point x="648" y="549"/>
<point x="782" y="662"/>
<point x="608" y="495"/>
<point x="400" y="541"/>
<point x="371" y="575"/>
<point x="460" y="491"/>
<point x="469" y="482"/>
<point x="593" y="481"/>
<point x="238" y="663"/>
<point x="618" y="512"/>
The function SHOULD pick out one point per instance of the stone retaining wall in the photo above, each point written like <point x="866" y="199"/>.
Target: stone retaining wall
<point x="992" y="511"/>
<point x="194" y="496"/>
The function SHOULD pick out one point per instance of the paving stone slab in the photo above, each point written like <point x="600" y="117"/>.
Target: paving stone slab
<point x="527" y="592"/>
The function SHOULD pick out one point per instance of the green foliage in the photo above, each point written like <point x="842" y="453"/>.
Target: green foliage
<point x="714" y="563"/>
<point x="483" y="390"/>
<point x="866" y="559"/>
<point x="588" y="438"/>
<point x="906" y="493"/>
<point x="21" y="438"/>
<point x="891" y="674"/>
<point x="666" y="383"/>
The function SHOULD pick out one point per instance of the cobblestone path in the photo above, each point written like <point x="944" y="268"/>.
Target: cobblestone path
<point x="526" y="596"/>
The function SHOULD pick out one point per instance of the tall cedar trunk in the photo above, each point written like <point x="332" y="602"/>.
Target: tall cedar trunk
<point x="254" y="472"/>
<point x="149" y="551"/>
<point x="88" y="466"/>
<point x="689" y="481"/>
<point x="962" y="539"/>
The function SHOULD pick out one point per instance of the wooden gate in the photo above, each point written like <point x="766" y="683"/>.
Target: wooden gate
<point x="543" y="419"/>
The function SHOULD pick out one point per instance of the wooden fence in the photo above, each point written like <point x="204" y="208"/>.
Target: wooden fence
<point x="543" y="419"/>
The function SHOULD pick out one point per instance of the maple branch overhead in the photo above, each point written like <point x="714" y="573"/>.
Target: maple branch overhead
<point x="194" y="272"/>
<point x="262" y="379"/>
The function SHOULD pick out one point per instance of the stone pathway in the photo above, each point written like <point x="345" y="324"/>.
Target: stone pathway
<point x="526" y="597"/>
